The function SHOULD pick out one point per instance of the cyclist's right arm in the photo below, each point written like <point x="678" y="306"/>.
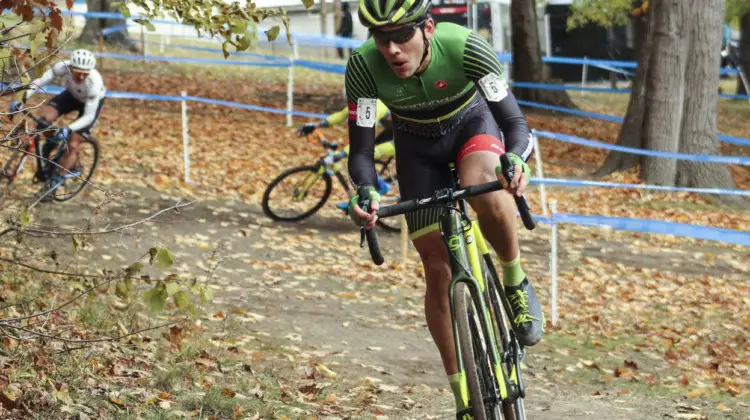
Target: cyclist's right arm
<point x="362" y="94"/>
<point x="57" y="70"/>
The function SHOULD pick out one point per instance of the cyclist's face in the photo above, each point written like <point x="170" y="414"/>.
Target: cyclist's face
<point x="402" y="46"/>
<point x="79" y="76"/>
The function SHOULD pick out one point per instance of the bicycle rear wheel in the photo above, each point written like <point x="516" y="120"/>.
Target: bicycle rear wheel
<point x="13" y="166"/>
<point x="85" y="166"/>
<point x="291" y="187"/>
<point x="474" y="354"/>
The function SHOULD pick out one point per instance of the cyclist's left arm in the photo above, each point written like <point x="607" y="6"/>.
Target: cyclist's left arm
<point x="88" y="116"/>
<point x="483" y="68"/>
<point x="96" y="92"/>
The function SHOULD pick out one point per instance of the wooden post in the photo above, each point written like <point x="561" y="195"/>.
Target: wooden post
<point x="324" y="24"/>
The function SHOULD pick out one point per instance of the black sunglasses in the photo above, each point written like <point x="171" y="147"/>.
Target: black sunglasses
<point x="399" y="36"/>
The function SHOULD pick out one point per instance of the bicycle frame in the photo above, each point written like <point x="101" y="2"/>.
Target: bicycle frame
<point x="465" y="244"/>
<point x="331" y="167"/>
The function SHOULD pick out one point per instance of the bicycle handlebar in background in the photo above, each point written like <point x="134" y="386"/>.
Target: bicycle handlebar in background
<point x="411" y="205"/>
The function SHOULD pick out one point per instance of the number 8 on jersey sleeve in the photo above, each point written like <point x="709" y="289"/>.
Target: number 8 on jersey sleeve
<point x="366" y="110"/>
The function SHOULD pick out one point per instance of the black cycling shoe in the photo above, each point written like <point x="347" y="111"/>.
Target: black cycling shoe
<point x="528" y="318"/>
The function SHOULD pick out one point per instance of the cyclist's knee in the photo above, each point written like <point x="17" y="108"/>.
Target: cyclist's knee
<point x="49" y="113"/>
<point x="434" y="255"/>
<point x="74" y="140"/>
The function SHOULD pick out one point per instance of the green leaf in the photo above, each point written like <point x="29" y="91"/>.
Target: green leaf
<point x="224" y="49"/>
<point x="181" y="299"/>
<point x="150" y="26"/>
<point x="161" y="258"/>
<point x="272" y="33"/>
<point x="239" y="27"/>
<point x="133" y="269"/>
<point x="173" y="288"/>
<point x="243" y="43"/>
<point x="124" y="10"/>
<point x="25" y="219"/>
<point x="206" y="294"/>
<point x="155" y="299"/>
<point x="308" y="3"/>
<point x="121" y="290"/>
<point x="129" y="284"/>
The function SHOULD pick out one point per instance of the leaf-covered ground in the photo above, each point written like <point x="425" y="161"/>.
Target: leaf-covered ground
<point x="302" y="325"/>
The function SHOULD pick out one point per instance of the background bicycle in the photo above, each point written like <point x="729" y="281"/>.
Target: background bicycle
<point x="300" y="191"/>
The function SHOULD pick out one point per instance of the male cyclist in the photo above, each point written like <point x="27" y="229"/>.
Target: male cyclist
<point x="384" y="148"/>
<point x="450" y="102"/>
<point x="84" y="92"/>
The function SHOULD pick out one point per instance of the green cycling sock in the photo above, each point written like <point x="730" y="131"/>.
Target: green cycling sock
<point x="513" y="274"/>
<point x="456" y="381"/>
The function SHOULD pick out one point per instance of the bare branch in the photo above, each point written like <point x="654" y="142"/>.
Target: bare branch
<point x="176" y="206"/>
<point x="43" y="270"/>
<point x="89" y="290"/>
<point x="98" y="340"/>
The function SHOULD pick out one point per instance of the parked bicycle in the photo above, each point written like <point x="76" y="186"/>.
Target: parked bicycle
<point x="301" y="191"/>
<point x="23" y="141"/>
<point x="487" y="349"/>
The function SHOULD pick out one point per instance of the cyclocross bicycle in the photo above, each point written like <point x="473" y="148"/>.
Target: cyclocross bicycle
<point x="302" y="190"/>
<point x="24" y="141"/>
<point x="487" y="349"/>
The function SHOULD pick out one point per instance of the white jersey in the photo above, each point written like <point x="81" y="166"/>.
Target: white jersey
<point x="90" y="92"/>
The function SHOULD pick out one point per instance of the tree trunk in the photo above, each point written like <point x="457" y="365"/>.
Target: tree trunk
<point x="665" y="89"/>
<point x="631" y="132"/>
<point x="94" y="26"/>
<point x="744" y="61"/>
<point x="699" y="126"/>
<point x="527" y="57"/>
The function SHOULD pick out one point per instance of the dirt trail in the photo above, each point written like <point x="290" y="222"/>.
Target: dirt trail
<point x="288" y="278"/>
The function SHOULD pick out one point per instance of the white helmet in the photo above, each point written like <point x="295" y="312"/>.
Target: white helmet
<point x="83" y="60"/>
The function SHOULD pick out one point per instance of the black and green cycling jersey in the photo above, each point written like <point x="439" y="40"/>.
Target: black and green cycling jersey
<point x="433" y="103"/>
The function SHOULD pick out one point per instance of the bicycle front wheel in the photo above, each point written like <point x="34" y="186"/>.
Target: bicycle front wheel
<point x="81" y="173"/>
<point x="296" y="193"/>
<point x="512" y="410"/>
<point x="475" y="357"/>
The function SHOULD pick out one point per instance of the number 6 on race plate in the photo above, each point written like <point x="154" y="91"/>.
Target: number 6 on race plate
<point x="495" y="89"/>
<point x="366" y="112"/>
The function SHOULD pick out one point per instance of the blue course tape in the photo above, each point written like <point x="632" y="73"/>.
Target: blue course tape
<point x="597" y="184"/>
<point x="193" y="60"/>
<point x="316" y="65"/>
<point x="254" y="107"/>
<point x="218" y="51"/>
<point x="731" y="96"/>
<point x="113" y="29"/>
<point x="547" y="86"/>
<point x="655" y="226"/>
<point x="52" y="89"/>
<point x="722" y="137"/>
<point x="729" y="160"/>
<point x="571" y="111"/>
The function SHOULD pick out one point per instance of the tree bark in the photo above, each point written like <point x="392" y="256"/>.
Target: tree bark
<point x="665" y="89"/>
<point x="631" y="132"/>
<point x="699" y="126"/>
<point x="744" y="60"/>
<point x="94" y="26"/>
<point x="527" y="57"/>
